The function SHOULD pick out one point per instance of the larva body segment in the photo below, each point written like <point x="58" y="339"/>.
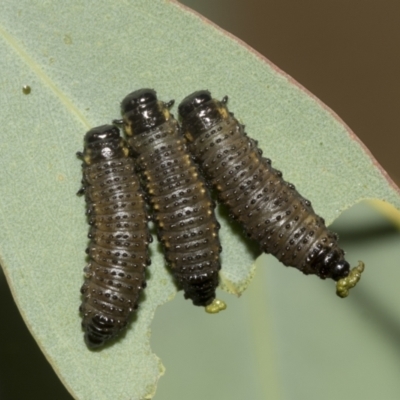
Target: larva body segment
<point x="183" y="210"/>
<point x="271" y="211"/>
<point x="119" y="237"/>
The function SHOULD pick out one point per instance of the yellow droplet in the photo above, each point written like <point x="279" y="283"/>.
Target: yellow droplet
<point x="345" y="284"/>
<point x="215" y="307"/>
<point x="26" y="89"/>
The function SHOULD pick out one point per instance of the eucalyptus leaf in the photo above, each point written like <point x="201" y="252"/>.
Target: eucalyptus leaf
<point x="79" y="60"/>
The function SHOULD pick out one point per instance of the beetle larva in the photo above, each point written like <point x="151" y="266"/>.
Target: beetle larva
<point x="119" y="237"/>
<point x="271" y="211"/>
<point x="182" y="207"/>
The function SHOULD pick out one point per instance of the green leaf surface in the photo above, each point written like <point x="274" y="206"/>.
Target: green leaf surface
<point x="80" y="59"/>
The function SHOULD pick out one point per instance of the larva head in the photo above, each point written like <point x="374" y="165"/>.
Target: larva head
<point x="193" y="101"/>
<point x="138" y="99"/>
<point x="199" y="112"/>
<point x="141" y="111"/>
<point x="103" y="142"/>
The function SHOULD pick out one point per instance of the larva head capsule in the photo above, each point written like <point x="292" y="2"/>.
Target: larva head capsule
<point x="193" y="101"/>
<point x="142" y="111"/>
<point x="102" y="142"/>
<point x="101" y="134"/>
<point x="200" y="112"/>
<point x="138" y="99"/>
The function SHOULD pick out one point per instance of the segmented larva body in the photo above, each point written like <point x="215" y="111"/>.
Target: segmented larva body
<point x="119" y="237"/>
<point x="183" y="210"/>
<point x="271" y="211"/>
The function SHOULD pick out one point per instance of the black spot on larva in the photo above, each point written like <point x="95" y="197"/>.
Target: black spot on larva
<point x="183" y="210"/>
<point x="291" y="231"/>
<point x="112" y="192"/>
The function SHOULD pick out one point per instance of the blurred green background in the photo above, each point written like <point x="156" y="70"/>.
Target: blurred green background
<point x="288" y="337"/>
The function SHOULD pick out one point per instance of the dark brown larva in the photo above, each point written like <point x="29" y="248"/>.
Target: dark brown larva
<point x="271" y="211"/>
<point x="182" y="206"/>
<point x="119" y="237"/>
